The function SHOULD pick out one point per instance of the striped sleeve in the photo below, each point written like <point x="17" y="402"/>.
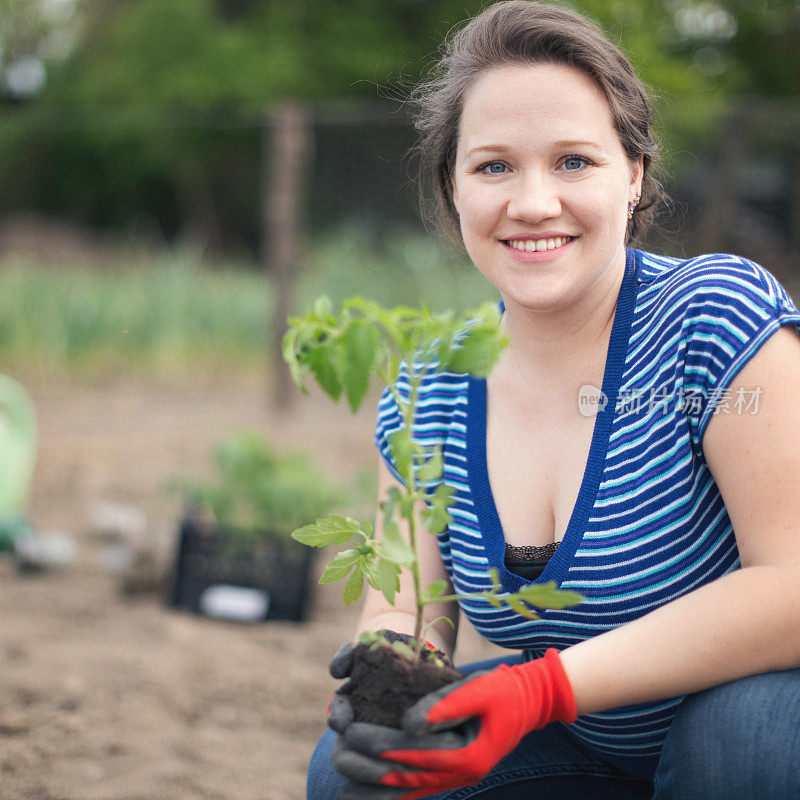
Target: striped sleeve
<point x="734" y="306"/>
<point x="390" y="420"/>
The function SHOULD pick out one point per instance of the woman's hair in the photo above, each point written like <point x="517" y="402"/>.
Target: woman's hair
<point x="527" y="32"/>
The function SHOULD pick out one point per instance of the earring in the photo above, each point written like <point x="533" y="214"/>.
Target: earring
<point x="632" y="205"/>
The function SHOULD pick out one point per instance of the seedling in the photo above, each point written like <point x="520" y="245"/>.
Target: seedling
<point x="344" y="353"/>
<point x="259" y="491"/>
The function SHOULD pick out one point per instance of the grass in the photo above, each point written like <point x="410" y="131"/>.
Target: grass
<point x="173" y="314"/>
<point x="155" y="316"/>
<point x="405" y="269"/>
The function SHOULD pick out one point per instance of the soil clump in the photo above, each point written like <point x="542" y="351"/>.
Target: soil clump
<point x="383" y="684"/>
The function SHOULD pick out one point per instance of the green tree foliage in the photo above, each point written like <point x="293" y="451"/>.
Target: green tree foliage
<point x="152" y="108"/>
<point x="190" y="54"/>
<point x="751" y="46"/>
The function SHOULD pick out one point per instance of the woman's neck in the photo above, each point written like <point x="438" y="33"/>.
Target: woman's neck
<point x="561" y="345"/>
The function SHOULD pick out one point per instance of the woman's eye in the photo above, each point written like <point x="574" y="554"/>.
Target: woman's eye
<point x="574" y="163"/>
<point x="492" y="168"/>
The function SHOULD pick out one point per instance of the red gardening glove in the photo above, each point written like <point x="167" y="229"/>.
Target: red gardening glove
<point x="453" y="737"/>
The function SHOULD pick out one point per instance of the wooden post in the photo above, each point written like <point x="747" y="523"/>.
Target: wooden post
<point x="287" y="144"/>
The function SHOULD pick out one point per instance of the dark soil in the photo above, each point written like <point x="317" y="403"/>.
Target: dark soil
<point x="383" y="683"/>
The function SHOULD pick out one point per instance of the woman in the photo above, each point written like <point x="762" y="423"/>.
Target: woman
<point x="673" y="509"/>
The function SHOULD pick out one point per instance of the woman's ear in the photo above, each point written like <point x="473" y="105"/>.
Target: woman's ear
<point x="637" y="174"/>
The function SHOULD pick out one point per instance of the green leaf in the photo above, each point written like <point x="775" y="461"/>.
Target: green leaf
<point x="404" y="649"/>
<point x="369" y="637"/>
<point x="435" y="519"/>
<point x="359" y="341"/>
<point x="354" y="587"/>
<point x="313" y="536"/>
<point x="389" y="503"/>
<point x="431" y="470"/>
<point x="437" y="589"/>
<point x="331" y="530"/>
<point x="289" y="350"/>
<point x="402" y="450"/>
<point x="494" y="577"/>
<point x="339" y="567"/>
<point x="368" y="565"/>
<point x="435" y="516"/>
<point x="394" y="547"/>
<point x="445" y="344"/>
<point x="438" y="619"/>
<point x="390" y="365"/>
<point x="388" y="579"/>
<point x="443" y="495"/>
<point x="478" y="352"/>
<point x="520" y="607"/>
<point x="325" y="361"/>
<point x="407" y="503"/>
<point x="548" y="595"/>
<point x="323" y="307"/>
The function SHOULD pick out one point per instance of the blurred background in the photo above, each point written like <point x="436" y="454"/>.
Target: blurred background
<point x="176" y="177"/>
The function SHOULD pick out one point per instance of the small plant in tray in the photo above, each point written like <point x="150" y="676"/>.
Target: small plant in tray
<point x="343" y="352"/>
<point x="259" y="491"/>
<point x="237" y="526"/>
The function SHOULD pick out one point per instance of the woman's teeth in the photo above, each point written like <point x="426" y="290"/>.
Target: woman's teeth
<point x="539" y="245"/>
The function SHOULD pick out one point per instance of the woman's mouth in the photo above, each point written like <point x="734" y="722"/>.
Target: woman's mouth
<point x="538" y="245"/>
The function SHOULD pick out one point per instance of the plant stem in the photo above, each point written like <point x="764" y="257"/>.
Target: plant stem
<point x="411" y="486"/>
<point x="446" y="598"/>
<point x="418" y="599"/>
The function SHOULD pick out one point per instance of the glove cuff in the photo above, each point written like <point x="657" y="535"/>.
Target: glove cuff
<point x="563" y="698"/>
<point x="547" y="691"/>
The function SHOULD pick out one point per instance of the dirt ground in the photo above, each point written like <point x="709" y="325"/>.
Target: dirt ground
<point x="109" y="697"/>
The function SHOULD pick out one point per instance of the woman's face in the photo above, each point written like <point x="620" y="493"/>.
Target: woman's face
<point x="542" y="185"/>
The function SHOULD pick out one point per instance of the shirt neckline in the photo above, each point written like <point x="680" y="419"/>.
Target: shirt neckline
<point x="492" y="538"/>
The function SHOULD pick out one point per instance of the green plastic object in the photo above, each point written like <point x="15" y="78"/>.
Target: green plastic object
<point x="18" y="445"/>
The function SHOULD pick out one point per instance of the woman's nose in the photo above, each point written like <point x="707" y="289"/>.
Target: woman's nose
<point x="534" y="198"/>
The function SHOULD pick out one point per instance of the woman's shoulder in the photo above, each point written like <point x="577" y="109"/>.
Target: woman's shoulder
<point x="440" y="378"/>
<point x="709" y="277"/>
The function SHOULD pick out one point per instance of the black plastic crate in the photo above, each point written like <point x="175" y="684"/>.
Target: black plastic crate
<point x="210" y="564"/>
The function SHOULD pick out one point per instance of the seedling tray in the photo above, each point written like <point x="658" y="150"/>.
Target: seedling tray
<point x="212" y="564"/>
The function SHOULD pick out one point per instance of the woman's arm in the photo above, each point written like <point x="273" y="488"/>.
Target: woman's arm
<point x="746" y="622"/>
<point x="378" y="614"/>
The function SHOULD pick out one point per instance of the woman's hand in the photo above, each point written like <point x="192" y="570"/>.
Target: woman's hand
<point x="454" y="736"/>
<point x="357" y="757"/>
<point x="340" y="709"/>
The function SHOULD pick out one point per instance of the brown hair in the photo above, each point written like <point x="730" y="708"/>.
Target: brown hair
<point x="527" y="32"/>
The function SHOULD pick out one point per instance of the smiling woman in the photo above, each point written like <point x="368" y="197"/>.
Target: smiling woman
<point x="519" y="188"/>
<point x="671" y="507"/>
<point x="519" y="34"/>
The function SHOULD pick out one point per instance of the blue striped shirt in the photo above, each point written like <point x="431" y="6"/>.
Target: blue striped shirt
<point x="649" y="523"/>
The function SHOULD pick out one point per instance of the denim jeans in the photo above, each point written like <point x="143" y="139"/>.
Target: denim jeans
<point x="738" y="741"/>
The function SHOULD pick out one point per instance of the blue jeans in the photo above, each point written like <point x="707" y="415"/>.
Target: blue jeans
<point x="738" y="741"/>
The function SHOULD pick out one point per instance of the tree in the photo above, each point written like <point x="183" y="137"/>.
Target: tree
<point x="152" y="108"/>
